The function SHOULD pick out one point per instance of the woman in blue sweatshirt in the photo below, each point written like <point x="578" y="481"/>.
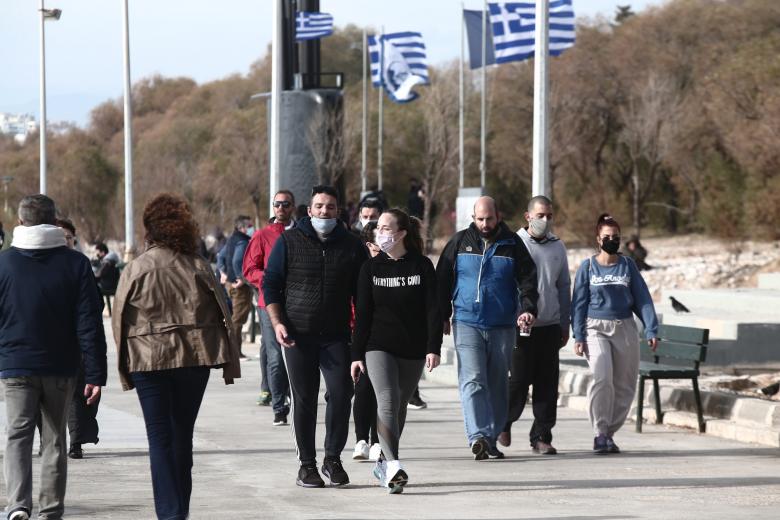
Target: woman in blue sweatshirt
<point x="608" y="291"/>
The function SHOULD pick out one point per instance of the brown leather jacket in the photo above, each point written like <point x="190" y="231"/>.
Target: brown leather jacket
<point x="170" y="312"/>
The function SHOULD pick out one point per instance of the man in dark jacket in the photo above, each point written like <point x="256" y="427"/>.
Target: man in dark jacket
<point x="309" y="284"/>
<point x="487" y="275"/>
<point x="42" y="280"/>
<point x="230" y="264"/>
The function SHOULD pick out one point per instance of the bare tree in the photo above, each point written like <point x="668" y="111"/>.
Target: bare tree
<point x="647" y="136"/>
<point x="440" y="111"/>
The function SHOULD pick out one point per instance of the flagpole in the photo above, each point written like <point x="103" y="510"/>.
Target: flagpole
<point x="276" y="102"/>
<point x="483" y="115"/>
<point x="364" y="150"/>
<point x="540" y="183"/>
<point x="461" y="151"/>
<point x="380" y="132"/>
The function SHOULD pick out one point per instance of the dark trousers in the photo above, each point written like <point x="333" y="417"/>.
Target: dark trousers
<point x="82" y="419"/>
<point x="170" y="400"/>
<point x="535" y="362"/>
<point x="304" y="362"/>
<point x="364" y="411"/>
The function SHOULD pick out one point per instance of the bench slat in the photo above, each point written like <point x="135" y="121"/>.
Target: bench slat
<point x="684" y="351"/>
<point x="684" y="334"/>
<point x="666" y="371"/>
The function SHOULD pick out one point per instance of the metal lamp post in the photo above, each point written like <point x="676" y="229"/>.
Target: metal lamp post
<point x="46" y="14"/>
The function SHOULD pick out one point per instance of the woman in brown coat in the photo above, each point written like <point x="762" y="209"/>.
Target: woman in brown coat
<point x="172" y="325"/>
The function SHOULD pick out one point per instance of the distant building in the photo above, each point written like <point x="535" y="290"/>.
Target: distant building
<point x="20" y="126"/>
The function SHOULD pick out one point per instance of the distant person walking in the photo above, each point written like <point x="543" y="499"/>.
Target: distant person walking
<point x="230" y="262"/>
<point x="308" y="286"/>
<point x="535" y="358"/>
<point x="50" y="323"/>
<point x="82" y="417"/>
<point x="608" y="291"/>
<point x="398" y="331"/>
<point x="487" y="283"/>
<point x="107" y="273"/>
<point x="258" y="252"/>
<point x="172" y="326"/>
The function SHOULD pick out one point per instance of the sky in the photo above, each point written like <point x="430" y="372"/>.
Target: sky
<point x="201" y="39"/>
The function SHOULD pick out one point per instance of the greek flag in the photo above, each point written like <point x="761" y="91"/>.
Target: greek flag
<point x="398" y="63"/>
<point x="514" y="24"/>
<point x="313" y="26"/>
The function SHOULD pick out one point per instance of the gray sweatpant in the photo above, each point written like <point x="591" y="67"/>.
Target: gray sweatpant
<point x="24" y="397"/>
<point x="613" y="357"/>
<point x="394" y="381"/>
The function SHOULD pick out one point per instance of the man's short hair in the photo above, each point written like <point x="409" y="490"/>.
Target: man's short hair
<point x="103" y="248"/>
<point x="327" y="190"/>
<point x="539" y="199"/>
<point x="286" y="192"/>
<point x="372" y="203"/>
<point x="66" y="223"/>
<point x="241" y="220"/>
<point x="37" y="209"/>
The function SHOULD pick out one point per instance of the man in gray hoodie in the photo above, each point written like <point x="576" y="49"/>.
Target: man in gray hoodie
<point x="535" y="357"/>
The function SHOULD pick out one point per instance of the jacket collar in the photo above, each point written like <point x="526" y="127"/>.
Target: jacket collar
<point x="43" y="236"/>
<point x="549" y="237"/>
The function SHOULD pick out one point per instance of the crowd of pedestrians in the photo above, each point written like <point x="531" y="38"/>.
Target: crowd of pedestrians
<point x="362" y="308"/>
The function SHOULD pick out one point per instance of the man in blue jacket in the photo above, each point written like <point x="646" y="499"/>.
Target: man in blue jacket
<point x="488" y="278"/>
<point x="230" y="262"/>
<point x="49" y="320"/>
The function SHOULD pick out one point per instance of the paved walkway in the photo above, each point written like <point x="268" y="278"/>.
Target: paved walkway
<point x="245" y="468"/>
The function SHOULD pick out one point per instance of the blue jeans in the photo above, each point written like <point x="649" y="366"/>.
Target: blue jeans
<point x="170" y="400"/>
<point x="276" y="373"/>
<point x="484" y="358"/>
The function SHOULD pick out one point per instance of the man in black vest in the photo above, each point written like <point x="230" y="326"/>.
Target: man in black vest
<point x="309" y="285"/>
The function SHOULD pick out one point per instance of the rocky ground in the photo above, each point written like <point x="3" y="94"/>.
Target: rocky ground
<point x="698" y="262"/>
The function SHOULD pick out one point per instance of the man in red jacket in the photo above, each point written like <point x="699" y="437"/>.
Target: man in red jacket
<point x="255" y="262"/>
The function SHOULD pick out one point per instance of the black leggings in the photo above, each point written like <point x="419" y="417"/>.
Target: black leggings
<point x="364" y="411"/>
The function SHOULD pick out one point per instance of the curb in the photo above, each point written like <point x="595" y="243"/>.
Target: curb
<point x="728" y="416"/>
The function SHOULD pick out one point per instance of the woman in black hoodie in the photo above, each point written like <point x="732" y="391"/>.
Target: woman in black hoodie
<point x="398" y="331"/>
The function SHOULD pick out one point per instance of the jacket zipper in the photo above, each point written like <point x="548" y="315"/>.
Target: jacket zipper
<point x="322" y="285"/>
<point x="479" y="276"/>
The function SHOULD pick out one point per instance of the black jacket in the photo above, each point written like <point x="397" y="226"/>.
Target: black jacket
<point x="397" y="308"/>
<point x="50" y="314"/>
<point x="314" y="281"/>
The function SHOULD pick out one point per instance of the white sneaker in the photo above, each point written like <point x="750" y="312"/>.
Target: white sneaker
<point x="375" y="452"/>
<point x="361" y="451"/>
<point x="19" y="515"/>
<point x="395" y="477"/>
<point x="380" y="472"/>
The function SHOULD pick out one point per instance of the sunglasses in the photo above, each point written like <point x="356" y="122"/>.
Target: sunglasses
<point x="282" y="203"/>
<point x="608" y="237"/>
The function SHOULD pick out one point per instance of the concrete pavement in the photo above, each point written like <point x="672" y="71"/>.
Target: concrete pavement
<point x="245" y="468"/>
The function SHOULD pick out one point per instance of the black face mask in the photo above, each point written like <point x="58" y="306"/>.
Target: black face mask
<point x="610" y="246"/>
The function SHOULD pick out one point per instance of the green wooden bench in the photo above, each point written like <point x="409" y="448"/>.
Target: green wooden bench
<point x="684" y="349"/>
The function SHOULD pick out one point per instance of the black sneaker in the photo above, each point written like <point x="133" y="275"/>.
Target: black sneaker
<point x="309" y="477"/>
<point x="600" y="446"/>
<point x="416" y="403"/>
<point x="480" y="449"/>
<point x="76" y="452"/>
<point x="332" y="468"/>
<point x="611" y="446"/>
<point x="280" y="419"/>
<point x="495" y="453"/>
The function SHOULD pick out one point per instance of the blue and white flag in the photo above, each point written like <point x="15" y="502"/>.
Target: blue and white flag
<point x="313" y="26"/>
<point x="514" y="24"/>
<point x="399" y="63"/>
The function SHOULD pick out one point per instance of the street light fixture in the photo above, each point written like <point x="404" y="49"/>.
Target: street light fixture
<point x="46" y="14"/>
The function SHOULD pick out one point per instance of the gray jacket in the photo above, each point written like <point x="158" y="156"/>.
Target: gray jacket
<point x="554" y="282"/>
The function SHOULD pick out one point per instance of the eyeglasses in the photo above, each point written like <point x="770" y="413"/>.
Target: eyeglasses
<point x="282" y="203"/>
<point x="613" y="237"/>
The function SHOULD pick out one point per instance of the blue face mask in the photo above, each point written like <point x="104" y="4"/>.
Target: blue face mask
<point x="250" y="231"/>
<point x="323" y="225"/>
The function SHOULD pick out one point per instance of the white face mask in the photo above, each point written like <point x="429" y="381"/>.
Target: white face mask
<point x="539" y="227"/>
<point x="365" y="221"/>
<point x="323" y="225"/>
<point x="385" y="242"/>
